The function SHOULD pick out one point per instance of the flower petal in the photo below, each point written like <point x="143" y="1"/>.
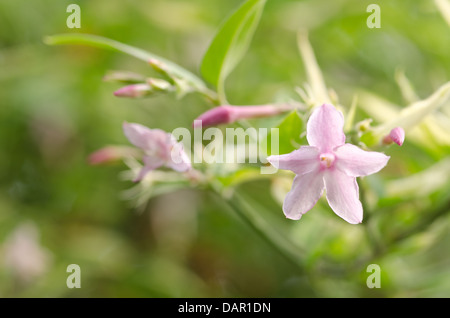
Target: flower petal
<point x="305" y="192"/>
<point x="153" y="140"/>
<point x="343" y="196"/>
<point x="325" y="128"/>
<point x="300" y="161"/>
<point x="136" y="134"/>
<point x="150" y="163"/>
<point x="356" y="162"/>
<point x="179" y="160"/>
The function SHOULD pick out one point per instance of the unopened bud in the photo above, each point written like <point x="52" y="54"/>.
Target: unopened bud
<point x="111" y="154"/>
<point x="396" y="135"/>
<point x="227" y="114"/>
<point x="215" y="116"/>
<point x="363" y="125"/>
<point x="159" y="84"/>
<point x="134" y="91"/>
<point x="159" y="66"/>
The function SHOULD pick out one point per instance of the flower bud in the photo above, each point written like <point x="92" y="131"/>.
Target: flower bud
<point x="159" y="84"/>
<point x="134" y="91"/>
<point x="157" y="65"/>
<point x="110" y="154"/>
<point x="227" y="114"/>
<point x="161" y="68"/>
<point x="396" y="135"/>
<point x="364" y="125"/>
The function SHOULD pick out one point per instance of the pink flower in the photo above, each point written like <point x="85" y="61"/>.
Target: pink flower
<point x="227" y="114"/>
<point x="396" y="135"/>
<point x="327" y="163"/>
<point x="160" y="149"/>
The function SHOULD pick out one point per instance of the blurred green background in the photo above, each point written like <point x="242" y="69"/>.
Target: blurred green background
<point x="56" y="209"/>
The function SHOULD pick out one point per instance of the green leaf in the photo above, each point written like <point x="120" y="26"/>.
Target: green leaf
<point x="243" y="175"/>
<point x="290" y="133"/>
<point x="421" y="184"/>
<point x="231" y="43"/>
<point x="105" y="43"/>
<point x="416" y="112"/>
<point x="313" y="71"/>
<point x="424" y="126"/>
<point x="369" y="139"/>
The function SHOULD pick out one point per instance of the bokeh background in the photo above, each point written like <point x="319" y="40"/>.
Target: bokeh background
<point x="56" y="209"/>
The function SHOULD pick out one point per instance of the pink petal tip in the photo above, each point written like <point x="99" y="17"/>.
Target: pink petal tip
<point x="396" y="135"/>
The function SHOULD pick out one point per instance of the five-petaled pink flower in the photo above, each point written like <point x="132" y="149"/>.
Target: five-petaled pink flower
<point x="327" y="163"/>
<point x="160" y="149"/>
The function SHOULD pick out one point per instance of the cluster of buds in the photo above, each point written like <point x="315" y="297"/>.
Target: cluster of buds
<point x="141" y="86"/>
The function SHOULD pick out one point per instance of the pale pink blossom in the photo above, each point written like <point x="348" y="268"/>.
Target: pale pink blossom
<point x="396" y="135"/>
<point x="160" y="149"/>
<point x="328" y="163"/>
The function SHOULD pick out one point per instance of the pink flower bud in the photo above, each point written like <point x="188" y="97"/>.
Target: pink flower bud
<point x="217" y="115"/>
<point x="134" y="91"/>
<point x="227" y="114"/>
<point x="110" y="154"/>
<point x="396" y="135"/>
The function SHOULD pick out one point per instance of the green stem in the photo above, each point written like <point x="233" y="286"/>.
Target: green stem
<point x="372" y="237"/>
<point x="278" y="242"/>
<point x="221" y="95"/>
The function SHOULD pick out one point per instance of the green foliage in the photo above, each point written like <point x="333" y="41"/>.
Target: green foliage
<point x="231" y="43"/>
<point x="187" y="243"/>
<point x="290" y="136"/>
<point x="169" y="68"/>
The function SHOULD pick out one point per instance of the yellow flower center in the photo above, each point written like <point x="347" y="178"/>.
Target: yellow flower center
<point x="327" y="159"/>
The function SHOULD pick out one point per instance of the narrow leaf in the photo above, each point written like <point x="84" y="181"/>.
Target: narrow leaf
<point x="420" y="119"/>
<point x="422" y="183"/>
<point x="417" y="111"/>
<point x="315" y="77"/>
<point x="231" y="43"/>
